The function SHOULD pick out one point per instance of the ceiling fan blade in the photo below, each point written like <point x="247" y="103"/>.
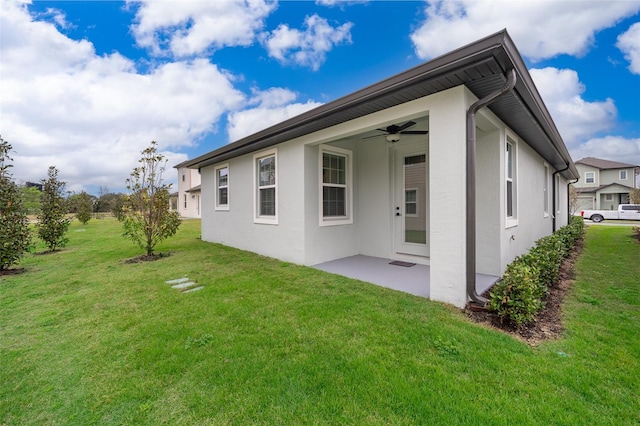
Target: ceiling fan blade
<point x="415" y="132"/>
<point x="405" y="126"/>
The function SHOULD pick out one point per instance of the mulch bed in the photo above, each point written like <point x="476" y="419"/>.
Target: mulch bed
<point x="147" y="258"/>
<point x="548" y="324"/>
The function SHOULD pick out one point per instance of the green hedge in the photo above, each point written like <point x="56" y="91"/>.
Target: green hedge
<point x="517" y="298"/>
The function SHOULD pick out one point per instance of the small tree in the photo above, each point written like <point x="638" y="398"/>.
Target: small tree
<point x="53" y="223"/>
<point x="15" y="236"/>
<point x="147" y="219"/>
<point x="574" y="201"/>
<point x="84" y="207"/>
<point x="634" y="196"/>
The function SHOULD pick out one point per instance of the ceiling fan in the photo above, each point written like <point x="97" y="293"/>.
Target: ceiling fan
<point x="394" y="131"/>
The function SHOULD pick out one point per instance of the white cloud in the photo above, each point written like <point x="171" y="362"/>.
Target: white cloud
<point x="332" y="3"/>
<point x="575" y="117"/>
<point x="274" y="105"/>
<point x="614" y="148"/>
<point x="629" y="44"/>
<point x="540" y="29"/>
<point x="89" y="115"/>
<point x="195" y="27"/>
<point x="309" y="47"/>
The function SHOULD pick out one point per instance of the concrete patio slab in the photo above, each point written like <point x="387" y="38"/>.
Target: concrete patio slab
<point x="375" y="270"/>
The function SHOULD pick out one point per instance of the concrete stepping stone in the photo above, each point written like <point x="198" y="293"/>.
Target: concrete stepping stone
<point x="177" y="281"/>
<point x="183" y="285"/>
<point x="193" y="289"/>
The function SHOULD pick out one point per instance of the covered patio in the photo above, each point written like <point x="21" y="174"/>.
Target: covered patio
<point x="414" y="279"/>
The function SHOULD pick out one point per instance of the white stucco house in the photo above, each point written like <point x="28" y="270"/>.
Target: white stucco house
<point x="456" y="164"/>
<point x="189" y="192"/>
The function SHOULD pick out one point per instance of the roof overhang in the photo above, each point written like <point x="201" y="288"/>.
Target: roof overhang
<point x="480" y="66"/>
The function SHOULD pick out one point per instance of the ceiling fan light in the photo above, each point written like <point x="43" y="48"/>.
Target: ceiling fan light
<point x="393" y="137"/>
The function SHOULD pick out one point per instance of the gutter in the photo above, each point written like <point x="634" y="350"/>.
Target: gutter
<point x="553" y="179"/>
<point x="471" y="184"/>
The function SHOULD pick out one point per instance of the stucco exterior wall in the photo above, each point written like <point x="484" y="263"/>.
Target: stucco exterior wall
<point x="236" y="227"/>
<point x="532" y="223"/>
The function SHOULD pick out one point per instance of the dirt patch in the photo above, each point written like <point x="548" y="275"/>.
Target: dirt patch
<point x="548" y="324"/>
<point x="13" y="271"/>
<point x="147" y="258"/>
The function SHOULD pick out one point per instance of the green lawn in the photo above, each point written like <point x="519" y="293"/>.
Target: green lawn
<point x="87" y="339"/>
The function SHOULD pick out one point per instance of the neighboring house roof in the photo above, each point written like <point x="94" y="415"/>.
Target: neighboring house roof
<point x="480" y="66"/>
<point x="599" y="188"/>
<point x="173" y="194"/>
<point x="601" y="164"/>
<point x="194" y="189"/>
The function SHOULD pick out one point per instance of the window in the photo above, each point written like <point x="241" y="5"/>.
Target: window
<point x="608" y="197"/>
<point x="623" y="175"/>
<point x="590" y="177"/>
<point x="411" y="202"/>
<point x="266" y="189"/>
<point x="546" y="190"/>
<point x="183" y="175"/>
<point x="511" y="174"/>
<point x="335" y="186"/>
<point x="184" y="197"/>
<point x="222" y="187"/>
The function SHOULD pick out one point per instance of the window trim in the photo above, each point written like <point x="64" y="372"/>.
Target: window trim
<point x="626" y="175"/>
<point x="511" y="139"/>
<point x="217" y="205"/>
<point x="184" y="198"/>
<point x="593" y="177"/>
<point x="608" y="197"/>
<point x="348" y="217"/>
<point x="257" y="218"/>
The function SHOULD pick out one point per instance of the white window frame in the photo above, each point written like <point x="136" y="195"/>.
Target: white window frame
<point x="218" y="205"/>
<point x="416" y="202"/>
<point x="512" y="140"/>
<point x="608" y="197"/>
<point x="257" y="217"/>
<point x="626" y="175"/>
<point x="348" y="217"/>
<point x="184" y="198"/>
<point x="586" y="177"/>
<point x="546" y="190"/>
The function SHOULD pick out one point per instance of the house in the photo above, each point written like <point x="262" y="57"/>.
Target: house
<point x="188" y="196"/>
<point x="604" y="184"/>
<point x="455" y="164"/>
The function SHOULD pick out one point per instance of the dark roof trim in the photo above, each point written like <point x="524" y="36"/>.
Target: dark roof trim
<point x="601" y="164"/>
<point x="480" y="66"/>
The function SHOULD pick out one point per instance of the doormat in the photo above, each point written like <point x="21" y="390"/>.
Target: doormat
<point x="401" y="263"/>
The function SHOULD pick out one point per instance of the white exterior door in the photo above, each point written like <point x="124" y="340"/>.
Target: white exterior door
<point x="411" y="199"/>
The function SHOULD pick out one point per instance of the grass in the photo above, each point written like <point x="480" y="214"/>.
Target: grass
<point x="88" y="339"/>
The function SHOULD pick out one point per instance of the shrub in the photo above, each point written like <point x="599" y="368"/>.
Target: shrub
<point x="516" y="297"/>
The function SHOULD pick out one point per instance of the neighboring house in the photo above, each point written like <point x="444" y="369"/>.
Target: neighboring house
<point x="188" y="197"/>
<point x="173" y="202"/>
<point x="391" y="171"/>
<point x="604" y="184"/>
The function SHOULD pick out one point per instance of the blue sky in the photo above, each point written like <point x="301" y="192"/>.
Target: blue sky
<point x="86" y="85"/>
